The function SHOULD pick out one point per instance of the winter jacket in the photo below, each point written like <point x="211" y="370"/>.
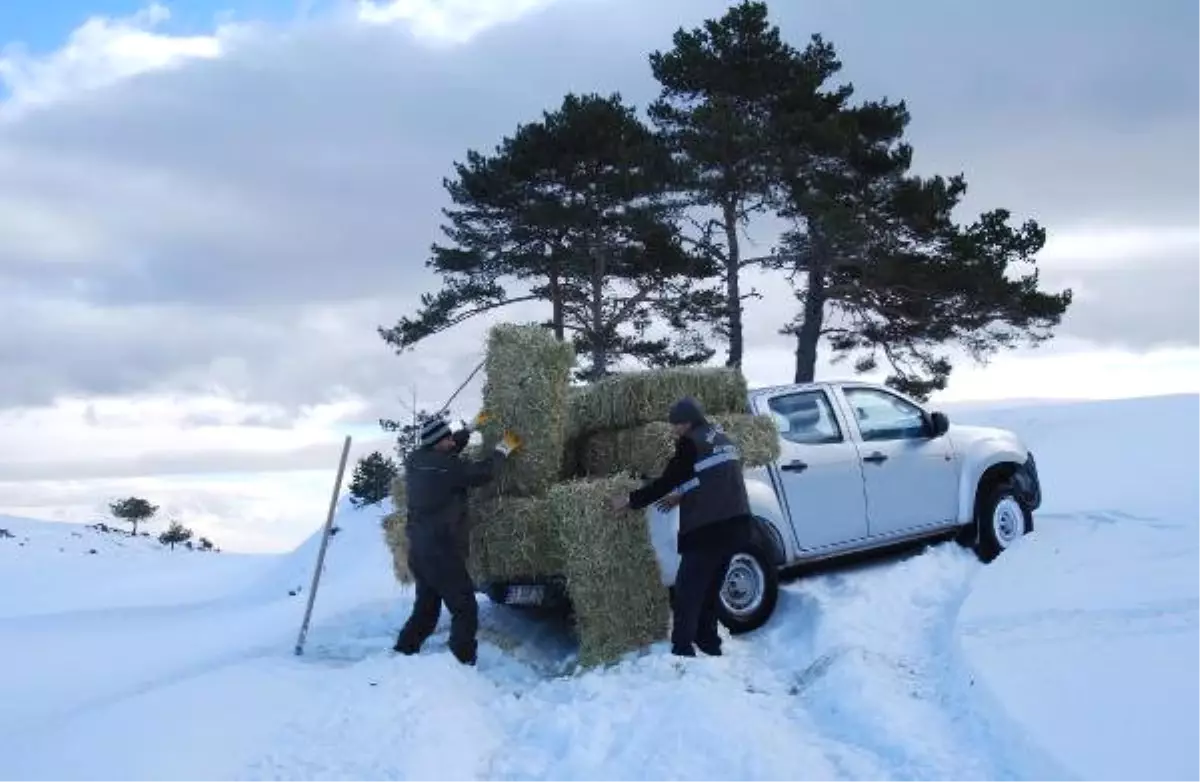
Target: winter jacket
<point x="437" y="484"/>
<point x="715" y="510"/>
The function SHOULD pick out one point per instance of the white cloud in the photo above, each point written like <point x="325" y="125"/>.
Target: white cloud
<point x="105" y="50"/>
<point x="204" y="460"/>
<point x="102" y="51"/>
<point x="449" y="21"/>
<point x="1090" y="247"/>
<point x="1078" y="371"/>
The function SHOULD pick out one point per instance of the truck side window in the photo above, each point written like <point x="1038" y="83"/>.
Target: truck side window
<point x="882" y="416"/>
<point x="805" y="417"/>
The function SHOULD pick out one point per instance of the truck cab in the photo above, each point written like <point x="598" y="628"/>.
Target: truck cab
<point x="863" y="467"/>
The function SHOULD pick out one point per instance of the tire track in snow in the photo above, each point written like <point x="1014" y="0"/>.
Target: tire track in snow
<point x="858" y="676"/>
<point x="884" y="673"/>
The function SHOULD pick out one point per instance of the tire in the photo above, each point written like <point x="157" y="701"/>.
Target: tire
<point x="749" y="590"/>
<point x="1001" y="519"/>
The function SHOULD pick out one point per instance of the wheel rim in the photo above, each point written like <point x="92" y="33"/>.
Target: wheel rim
<point x="742" y="591"/>
<point x="1008" y="521"/>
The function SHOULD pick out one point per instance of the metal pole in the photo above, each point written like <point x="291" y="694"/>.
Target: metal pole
<point x="312" y="591"/>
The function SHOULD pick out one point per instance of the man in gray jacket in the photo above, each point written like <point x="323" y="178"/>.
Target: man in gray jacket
<point x="704" y="479"/>
<point x="437" y="481"/>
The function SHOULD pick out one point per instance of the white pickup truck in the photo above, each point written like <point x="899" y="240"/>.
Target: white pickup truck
<point x="861" y="468"/>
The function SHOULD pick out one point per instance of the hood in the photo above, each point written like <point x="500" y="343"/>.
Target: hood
<point x="963" y="436"/>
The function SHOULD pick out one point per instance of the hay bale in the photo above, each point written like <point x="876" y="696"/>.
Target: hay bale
<point x="397" y="543"/>
<point x="611" y="569"/>
<point x="393" y="531"/>
<point x="514" y="538"/>
<point x="625" y="401"/>
<point x="528" y="372"/>
<point x="644" y="450"/>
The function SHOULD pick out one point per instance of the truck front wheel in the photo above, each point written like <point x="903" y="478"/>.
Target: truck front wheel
<point x="1001" y="519"/>
<point x="749" y="590"/>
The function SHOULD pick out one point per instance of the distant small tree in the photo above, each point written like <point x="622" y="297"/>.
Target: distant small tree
<point x="372" y="479"/>
<point x="133" y="510"/>
<point x="176" y="533"/>
<point x="408" y="433"/>
<point x="205" y="544"/>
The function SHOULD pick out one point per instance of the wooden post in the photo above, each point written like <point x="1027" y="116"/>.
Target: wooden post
<point x="312" y="591"/>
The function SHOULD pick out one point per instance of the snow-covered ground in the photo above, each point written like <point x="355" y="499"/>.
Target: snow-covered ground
<point x="50" y="567"/>
<point x="1087" y="632"/>
<point x="1074" y="655"/>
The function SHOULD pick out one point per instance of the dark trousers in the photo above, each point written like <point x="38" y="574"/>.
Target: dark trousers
<point x="697" y="589"/>
<point x="440" y="574"/>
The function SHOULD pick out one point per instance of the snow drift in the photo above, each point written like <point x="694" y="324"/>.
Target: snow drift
<point x="864" y="672"/>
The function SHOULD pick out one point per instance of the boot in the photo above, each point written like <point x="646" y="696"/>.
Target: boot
<point x="465" y="653"/>
<point x="405" y="647"/>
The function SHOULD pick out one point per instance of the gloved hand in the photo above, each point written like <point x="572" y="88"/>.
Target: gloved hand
<point x="479" y="421"/>
<point x="509" y="443"/>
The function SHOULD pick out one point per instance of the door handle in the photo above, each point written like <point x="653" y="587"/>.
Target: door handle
<point x="795" y="466"/>
<point x="875" y="458"/>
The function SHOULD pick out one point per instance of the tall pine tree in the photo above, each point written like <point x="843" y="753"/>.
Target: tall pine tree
<point x="575" y="209"/>
<point x="720" y="83"/>
<point x="881" y="268"/>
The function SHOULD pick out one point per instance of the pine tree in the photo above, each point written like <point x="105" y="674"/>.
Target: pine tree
<point x="626" y="267"/>
<point x="408" y="433"/>
<point x="880" y="266"/>
<point x="576" y="208"/>
<point x="133" y="510"/>
<point x="720" y="83"/>
<point x="372" y="479"/>
<point x="175" y="533"/>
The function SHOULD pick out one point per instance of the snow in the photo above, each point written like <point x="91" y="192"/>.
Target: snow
<point x="1073" y="655"/>
<point x="1087" y="631"/>
<point x="134" y="571"/>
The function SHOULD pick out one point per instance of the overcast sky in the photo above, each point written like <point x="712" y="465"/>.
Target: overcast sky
<point x="207" y="208"/>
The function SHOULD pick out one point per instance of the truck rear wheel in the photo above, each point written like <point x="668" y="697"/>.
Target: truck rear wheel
<point x="749" y="590"/>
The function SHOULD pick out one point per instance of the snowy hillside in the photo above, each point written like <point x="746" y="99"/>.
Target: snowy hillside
<point x="1074" y="655"/>
<point x="79" y="567"/>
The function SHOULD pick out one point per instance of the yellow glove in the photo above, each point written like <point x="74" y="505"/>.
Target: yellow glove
<point x="509" y="443"/>
<point x="480" y="420"/>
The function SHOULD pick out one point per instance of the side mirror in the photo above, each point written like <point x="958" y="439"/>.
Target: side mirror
<point x="939" y="424"/>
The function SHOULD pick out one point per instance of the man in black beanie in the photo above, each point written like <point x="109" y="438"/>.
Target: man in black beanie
<point x="437" y="480"/>
<point x="704" y="479"/>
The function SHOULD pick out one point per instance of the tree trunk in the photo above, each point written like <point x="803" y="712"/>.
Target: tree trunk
<point x="809" y="333"/>
<point x="135" y="528"/>
<point x="556" y="301"/>
<point x="599" y="347"/>
<point x="733" y="286"/>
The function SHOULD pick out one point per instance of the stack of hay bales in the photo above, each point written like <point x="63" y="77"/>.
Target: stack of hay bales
<point x="547" y="514"/>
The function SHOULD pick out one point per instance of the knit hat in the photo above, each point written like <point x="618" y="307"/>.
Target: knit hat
<point x="433" y="430"/>
<point x="686" y="411"/>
